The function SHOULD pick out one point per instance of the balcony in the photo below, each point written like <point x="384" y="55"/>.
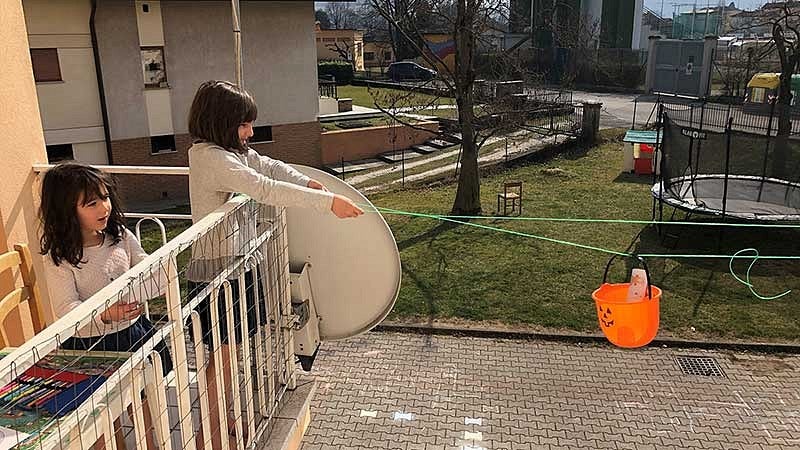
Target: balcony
<point x="128" y="391"/>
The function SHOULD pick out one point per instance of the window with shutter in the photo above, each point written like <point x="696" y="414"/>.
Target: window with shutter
<point x="45" y="64"/>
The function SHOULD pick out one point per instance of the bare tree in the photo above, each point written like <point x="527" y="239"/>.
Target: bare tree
<point x="786" y="37"/>
<point x="342" y="16"/>
<point x="322" y="17"/>
<point x="345" y="49"/>
<point x="377" y="32"/>
<point x="737" y="65"/>
<point x="569" y="29"/>
<point x="466" y="21"/>
<point x="400" y="16"/>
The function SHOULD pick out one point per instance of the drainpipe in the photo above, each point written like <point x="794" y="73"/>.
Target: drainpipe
<point x="100" y="89"/>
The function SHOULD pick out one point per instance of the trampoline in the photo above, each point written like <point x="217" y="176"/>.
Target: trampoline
<point x="747" y="197"/>
<point x="726" y="174"/>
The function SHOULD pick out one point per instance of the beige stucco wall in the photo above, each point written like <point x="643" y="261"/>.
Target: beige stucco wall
<point x="151" y="31"/>
<point x="157" y="100"/>
<point x="278" y="51"/>
<point x="90" y="152"/>
<point x="280" y="69"/>
<point x="21" y="125"/>
<point x="159" y="111"/>
<point x="70" y="109"/>
<point x="378" y="49"/>
<point x="352" y="40"/>
<point x="120" y="59"/>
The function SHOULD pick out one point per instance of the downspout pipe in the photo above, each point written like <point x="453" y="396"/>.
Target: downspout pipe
<point x="100" y="86"/>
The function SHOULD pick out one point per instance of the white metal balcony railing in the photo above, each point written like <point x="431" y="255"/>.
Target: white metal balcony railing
<point x="135" y="398"/>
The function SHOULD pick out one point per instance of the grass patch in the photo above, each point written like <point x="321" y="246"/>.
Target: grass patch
<point x="396" y="175"/>
<point x="367" y="97"/>
<point x="461" y="272"/>
<point x="363" y="123"/>
<point x="151" y="241"/>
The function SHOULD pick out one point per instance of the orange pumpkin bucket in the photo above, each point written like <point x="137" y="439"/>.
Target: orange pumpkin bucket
<point x="627" y="324"/>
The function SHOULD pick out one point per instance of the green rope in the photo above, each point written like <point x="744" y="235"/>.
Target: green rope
<point x="586" y="220"/>
<point x="738" y="255"/>
<point x="746" y="281"/>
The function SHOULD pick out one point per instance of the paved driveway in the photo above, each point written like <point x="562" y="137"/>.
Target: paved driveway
<point x="408" y="391"/>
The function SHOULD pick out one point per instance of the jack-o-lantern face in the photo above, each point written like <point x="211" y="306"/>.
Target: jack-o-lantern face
<point x="605" y="316"/>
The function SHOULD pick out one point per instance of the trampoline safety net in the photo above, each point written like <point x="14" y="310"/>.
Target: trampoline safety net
<point x="722" y="171"/>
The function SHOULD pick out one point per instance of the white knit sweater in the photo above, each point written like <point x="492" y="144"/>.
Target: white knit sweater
<point x="215" y="175"/>
<point x="69" y="286"/>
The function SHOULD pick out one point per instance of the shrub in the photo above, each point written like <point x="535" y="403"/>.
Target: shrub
<point x="341" y="71"/>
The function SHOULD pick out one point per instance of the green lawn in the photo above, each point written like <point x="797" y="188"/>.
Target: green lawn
<point x="463" y="273"/>
<point x="368" y="97"/>
<point x="458" y="273"/>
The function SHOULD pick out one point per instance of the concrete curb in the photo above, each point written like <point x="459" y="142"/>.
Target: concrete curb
<point x="574" y="338"/>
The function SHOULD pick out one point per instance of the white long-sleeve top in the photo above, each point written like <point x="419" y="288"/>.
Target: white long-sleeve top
<point x="215" y="175"/>
<point x="69" y="286"/>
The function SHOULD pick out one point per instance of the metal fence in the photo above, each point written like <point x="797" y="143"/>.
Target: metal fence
<point x="327" y="89"/>
<point x="750" y="118"/>
<point x="179" y="389"/>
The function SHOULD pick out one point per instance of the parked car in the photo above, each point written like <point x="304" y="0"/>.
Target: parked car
<point x="409" y="70"/>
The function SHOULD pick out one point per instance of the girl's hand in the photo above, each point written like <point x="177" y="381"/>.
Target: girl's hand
<point x="343" y="207"/>
<point x="120" y="312"/>
<point x="314" y="184"/>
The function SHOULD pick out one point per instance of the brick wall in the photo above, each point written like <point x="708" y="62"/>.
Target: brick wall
<point x="149" y="191"/>
<point x="294" y="143"/>
<point x="364" y="143"/>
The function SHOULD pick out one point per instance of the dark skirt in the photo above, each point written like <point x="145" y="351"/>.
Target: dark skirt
<point x="128" y="340"/>
<point x="204" y="309"/>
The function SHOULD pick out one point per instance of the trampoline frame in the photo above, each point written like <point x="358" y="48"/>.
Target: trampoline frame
<point x="659" y="193"/>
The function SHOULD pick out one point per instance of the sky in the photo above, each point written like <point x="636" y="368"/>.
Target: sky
<point x="655" y="5"/>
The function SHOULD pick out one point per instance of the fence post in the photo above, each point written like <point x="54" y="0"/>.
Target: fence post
<point x="727" y="167"/>
<point x="590" y="125"/>
<point x="178" y="339"/>
<point x="285" y="299"/>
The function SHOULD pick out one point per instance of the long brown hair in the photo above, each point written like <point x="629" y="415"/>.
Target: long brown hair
<point x="63" y="185"/>
<point x="218" y="108"/>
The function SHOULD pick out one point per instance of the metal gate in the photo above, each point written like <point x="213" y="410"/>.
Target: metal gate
<point x="679" y="68"/>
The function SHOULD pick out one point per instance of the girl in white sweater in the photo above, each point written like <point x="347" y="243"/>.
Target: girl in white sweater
<point x="86" y="246"/>
<point x="221" y="164"/>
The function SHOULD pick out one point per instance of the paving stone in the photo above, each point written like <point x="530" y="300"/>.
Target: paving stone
<point x="536" y="394"/>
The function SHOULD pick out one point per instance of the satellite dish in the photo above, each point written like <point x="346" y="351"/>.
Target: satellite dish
<point x="355" y="265"/>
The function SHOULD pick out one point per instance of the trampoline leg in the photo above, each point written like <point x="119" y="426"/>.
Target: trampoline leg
<point x="675" y="237"/>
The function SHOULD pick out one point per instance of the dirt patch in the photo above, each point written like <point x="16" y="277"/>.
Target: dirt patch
<point x="761" y="365"/>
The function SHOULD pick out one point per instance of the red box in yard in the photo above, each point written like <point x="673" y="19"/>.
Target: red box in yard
<point x="643" y="166"/>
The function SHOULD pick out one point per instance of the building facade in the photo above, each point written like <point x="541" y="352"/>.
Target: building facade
<point x="340" y="45"/>
<point x="616" y="24"/>
<point x="115" y="80"/>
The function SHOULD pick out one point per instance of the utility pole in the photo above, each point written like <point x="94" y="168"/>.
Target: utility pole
<point x="237" y="41"/>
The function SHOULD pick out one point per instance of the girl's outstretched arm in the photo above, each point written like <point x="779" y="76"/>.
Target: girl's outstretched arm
<point x="229" y="174"/>
<point x="276" y="169"/>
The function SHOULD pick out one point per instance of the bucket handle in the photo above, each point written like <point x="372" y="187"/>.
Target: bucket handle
<point x="643" y="264"/>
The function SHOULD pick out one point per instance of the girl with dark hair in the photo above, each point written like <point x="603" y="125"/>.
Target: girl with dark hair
<point x="221" y="164"/>
<point x="86" y="246"/>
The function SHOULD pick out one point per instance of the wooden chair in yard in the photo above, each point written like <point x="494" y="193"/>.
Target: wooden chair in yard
<point x="512" y="193"/>
<point x="28" y="294"/>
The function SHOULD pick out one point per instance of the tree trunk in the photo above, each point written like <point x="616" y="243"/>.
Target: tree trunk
<point x="468" y="194"/>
